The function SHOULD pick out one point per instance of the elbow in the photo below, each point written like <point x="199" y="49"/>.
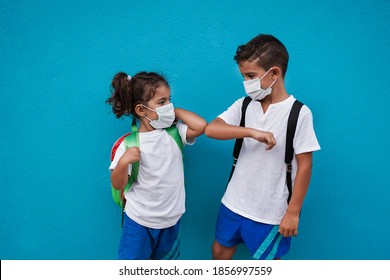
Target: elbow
<point x="197" y="130"/>
<point x="118" y="185"/>
<point x="211" y="131"/>
<point x="208" y="131"/>
<point x="215" y="129"/>
<point x="202" y="127"/>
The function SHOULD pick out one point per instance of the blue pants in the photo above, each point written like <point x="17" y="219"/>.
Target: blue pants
<point x="262" y="240"/>
<point x="142" y="243"/>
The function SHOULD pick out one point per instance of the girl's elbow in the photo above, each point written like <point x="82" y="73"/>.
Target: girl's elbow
<point x="208" y="130"/>
<point x="117" y="184"/>
<point x="200" y="129"/>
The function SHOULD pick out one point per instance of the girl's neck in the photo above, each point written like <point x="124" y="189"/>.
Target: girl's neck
<point x="144" y="125"/>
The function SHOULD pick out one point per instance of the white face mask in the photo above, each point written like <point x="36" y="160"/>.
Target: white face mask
<point x="255" y="91"/>
<point x="166" y="116"/>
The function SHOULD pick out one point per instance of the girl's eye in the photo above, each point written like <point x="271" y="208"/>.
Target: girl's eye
<point x="164" y="101"/>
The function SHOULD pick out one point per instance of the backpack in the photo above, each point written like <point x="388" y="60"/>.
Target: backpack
<point x="132" y="139"/>
<point x="289" y="153"/>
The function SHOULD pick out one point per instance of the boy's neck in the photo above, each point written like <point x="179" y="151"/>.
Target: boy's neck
<point x="278" y="94"/>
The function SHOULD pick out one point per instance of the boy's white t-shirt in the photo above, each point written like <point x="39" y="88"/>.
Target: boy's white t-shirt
<point x="157" y="198"/>
<point x="258" y="188"/>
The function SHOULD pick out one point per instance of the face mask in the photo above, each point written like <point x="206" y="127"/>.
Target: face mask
<point x="166" y="116"/>
<point x="255" y="91"/>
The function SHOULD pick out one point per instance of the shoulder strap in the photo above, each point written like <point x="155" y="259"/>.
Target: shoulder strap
<point x="130" y="141"/>
<point x="174" y="133"/>
<point x="239" y="141"/>
<point x="289" y="154"/>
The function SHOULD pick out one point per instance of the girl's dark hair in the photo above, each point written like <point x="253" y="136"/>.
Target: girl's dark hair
<point x="127" y="92"/>
<point x="268" y="51"/>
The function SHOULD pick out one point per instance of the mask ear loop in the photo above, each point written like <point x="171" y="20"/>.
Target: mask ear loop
<point x="265" y="74"/>
<point x="148" y="108"/>
<point x="272" y="83"/>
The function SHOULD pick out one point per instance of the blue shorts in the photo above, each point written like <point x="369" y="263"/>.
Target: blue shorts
<point x="262" y="240"/>
<point x="143" y="243"/>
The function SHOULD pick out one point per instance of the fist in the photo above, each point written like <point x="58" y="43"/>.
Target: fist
<point x="264" y="137"/>
<point x="132" y="154"/>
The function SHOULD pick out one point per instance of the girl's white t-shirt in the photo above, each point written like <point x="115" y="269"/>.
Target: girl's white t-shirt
<point x="258" y="189"/>
<point x="157" y="198"/>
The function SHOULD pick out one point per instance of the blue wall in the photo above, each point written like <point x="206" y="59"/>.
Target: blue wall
<point x="57" y="62"/>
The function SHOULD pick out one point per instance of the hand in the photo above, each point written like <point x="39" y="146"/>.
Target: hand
<point x="264" y="137"/>
<point x="289" y="225"/>
<point x="132" y="154"/>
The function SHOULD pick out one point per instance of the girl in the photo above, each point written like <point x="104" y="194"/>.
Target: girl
<point x="156" y="201"/>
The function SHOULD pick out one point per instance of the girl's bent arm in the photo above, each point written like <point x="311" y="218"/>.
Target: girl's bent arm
<point x="196" y="124"/>
<point x="120" y="174"/>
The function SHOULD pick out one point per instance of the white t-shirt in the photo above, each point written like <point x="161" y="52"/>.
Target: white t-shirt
<point x="157" y="198"/>
<point x="258" y="188"/>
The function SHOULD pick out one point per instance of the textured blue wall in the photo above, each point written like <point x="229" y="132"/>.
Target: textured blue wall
<point x="57" y="62"/>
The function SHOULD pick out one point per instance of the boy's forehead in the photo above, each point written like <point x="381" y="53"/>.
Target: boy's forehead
<point x="250" y="66"/>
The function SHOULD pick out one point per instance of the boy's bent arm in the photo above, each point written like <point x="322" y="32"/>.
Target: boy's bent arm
<point x="219" y="129"/>
<point x="196" y="124"/>
<point x="289" y="224"/>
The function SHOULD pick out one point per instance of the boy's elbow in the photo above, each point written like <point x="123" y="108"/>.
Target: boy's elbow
<point x="213" y="127"/>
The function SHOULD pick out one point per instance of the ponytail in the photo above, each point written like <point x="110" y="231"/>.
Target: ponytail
<point x="127" y="92"/>
<point x="121" y="95"/>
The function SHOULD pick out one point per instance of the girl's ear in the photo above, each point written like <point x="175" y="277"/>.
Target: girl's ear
<point x="140" y="110"/>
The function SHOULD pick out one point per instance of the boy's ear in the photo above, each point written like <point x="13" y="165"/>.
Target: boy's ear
<point x="140" y="110"/>
<point x="276" y="72"/>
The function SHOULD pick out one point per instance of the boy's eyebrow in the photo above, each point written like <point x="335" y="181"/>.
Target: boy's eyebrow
<point x="248" y="73"/>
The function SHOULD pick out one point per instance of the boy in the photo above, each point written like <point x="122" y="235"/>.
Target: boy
<point x="255" y="208"/>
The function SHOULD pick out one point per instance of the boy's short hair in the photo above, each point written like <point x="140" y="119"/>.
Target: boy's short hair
<point x="268" y="51"/>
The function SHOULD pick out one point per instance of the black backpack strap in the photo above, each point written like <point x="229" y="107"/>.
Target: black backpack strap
<point x="238" y="143"/>
<point x="291" y="127"/>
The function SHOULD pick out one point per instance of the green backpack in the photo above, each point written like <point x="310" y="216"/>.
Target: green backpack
<point x="132" y="139"/>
